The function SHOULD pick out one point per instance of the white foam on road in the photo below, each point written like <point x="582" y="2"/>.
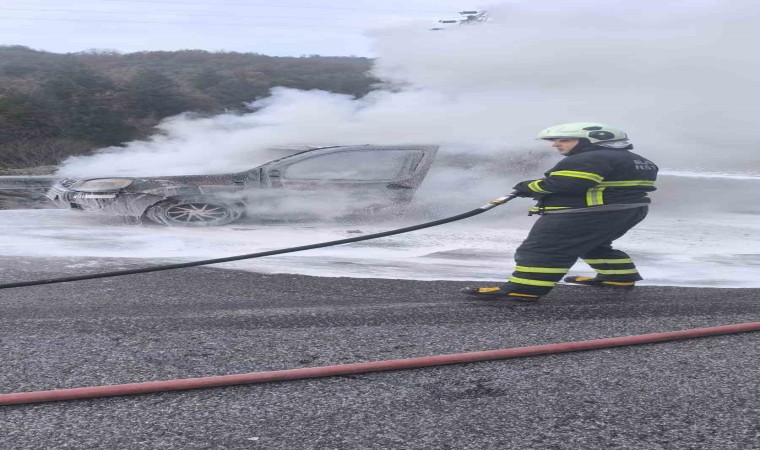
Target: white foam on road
<point x="721" y="250"/>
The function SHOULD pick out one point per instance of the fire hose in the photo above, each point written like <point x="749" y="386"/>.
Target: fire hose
<point x="365" y="367"/>
<point x="492" y="204"/>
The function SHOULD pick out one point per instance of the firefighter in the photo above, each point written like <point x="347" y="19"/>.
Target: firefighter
<point x="593" y="196"/>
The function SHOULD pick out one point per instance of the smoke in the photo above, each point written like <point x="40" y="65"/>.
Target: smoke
<point x="679" y="76"/>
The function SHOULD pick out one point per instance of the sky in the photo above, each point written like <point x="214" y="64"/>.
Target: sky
<point x="271" y="27"/>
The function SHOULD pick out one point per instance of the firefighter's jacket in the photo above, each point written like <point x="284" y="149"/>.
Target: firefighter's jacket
<point x="593" y="177"/>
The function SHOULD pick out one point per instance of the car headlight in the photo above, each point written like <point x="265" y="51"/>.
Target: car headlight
<point x="102" y="184"/>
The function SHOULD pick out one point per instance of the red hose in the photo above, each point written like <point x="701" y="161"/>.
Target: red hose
<point x="375" y="366"/>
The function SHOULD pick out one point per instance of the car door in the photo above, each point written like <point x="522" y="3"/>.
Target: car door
<point x="367" y="174"/>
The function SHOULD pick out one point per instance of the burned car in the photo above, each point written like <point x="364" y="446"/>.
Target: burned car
<point x="341" y="179"/>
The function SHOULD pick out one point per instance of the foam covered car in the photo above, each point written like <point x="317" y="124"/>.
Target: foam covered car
<point x="334" y="180"/>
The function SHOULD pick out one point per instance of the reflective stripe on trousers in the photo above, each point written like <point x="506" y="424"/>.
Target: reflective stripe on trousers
<point x="556" y="242"/>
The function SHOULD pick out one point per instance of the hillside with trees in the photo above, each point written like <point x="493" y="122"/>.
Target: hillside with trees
<point x="56" y="105"/>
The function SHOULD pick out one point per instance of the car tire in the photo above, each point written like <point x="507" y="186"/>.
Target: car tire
<point x="195" y="212"/>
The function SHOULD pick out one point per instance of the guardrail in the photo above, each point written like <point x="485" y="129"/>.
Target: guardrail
<point x="27" y="182"/>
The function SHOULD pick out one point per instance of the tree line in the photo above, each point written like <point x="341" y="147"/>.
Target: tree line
<point x="56" y="105"/>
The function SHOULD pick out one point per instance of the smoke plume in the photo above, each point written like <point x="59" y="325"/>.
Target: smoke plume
<point x="679" y="76"/>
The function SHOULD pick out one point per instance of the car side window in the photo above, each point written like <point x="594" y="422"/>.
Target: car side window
<point x="355" y="166"/>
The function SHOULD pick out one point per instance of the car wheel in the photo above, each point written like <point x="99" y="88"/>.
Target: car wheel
<point x="194" y="212"/>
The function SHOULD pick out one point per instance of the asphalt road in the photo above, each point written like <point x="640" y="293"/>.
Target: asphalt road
<point x="695" y="394"/>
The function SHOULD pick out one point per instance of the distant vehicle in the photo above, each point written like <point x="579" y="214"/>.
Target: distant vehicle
<point x="359" y="179"/>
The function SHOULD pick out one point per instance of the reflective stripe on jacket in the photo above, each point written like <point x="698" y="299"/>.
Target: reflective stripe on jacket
<point x="592" y="177"/>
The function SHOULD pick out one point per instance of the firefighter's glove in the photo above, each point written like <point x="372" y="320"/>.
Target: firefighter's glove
<point x="523" y="190"/>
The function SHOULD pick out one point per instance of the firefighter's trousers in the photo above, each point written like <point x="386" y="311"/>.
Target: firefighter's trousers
<point x="556" y="241"/>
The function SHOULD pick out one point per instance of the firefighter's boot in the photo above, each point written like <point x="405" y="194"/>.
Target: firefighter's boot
<point x="588" y="281"/>
<point x="496" y="293"/>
